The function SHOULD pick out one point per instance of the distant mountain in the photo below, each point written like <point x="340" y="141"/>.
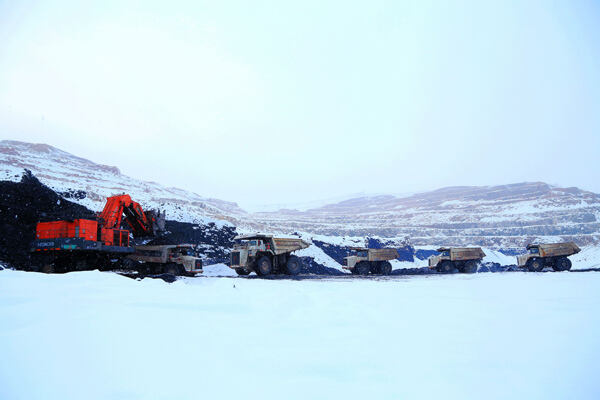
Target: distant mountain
<point x="492" y="216"/>
<point x="89" y="183"/>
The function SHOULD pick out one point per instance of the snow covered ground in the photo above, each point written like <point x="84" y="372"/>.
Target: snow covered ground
<point x="218" y="270"/>
<point x="93" y="335"/>
<point x="589" y="257"/>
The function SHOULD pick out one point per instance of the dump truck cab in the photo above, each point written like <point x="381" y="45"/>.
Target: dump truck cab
<point x="362" y="261"/>
<point x="463" y="259"/>
<point x="437" y="259"/>
<point x="266" y="254"/>
<point x="553" y="255"/>
<point x="180" y="259"/>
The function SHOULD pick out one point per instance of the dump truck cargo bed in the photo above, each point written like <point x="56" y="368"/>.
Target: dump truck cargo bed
<point x="464" y="253"/>
<point x="382" y="254"/>
<point x="556" y="249"/>
<point x="288" y="245"/>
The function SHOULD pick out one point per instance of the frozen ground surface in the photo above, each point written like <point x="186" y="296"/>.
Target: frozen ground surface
<point x="93" y="335"/>
<point x="589" y="257"/>
<point x="218" y="270"/>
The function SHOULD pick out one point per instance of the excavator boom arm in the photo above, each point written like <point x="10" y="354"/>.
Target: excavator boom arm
<point x="141" y="223"/>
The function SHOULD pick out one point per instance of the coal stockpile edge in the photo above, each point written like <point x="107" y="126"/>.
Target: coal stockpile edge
<point x="22" y="205"/>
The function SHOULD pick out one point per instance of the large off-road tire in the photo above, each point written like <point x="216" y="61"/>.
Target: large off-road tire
<point x="561" y="264"/>
<point x="264" y="266"/>
<point x="80" y="264"/>
<point x="129" y="264"/>
<point x="48" y="268"/>
<point x="446" y="267"/>
<point x="385" y="268"/>
<point x="150" y="268"/>
<point x="293" y="265"/>
<point x="470" y="267"/>
<point x="362" y="268"/>
<point x="242" y="271"/>
<point x="535" y="265"/>
<point x="173" y="269"/>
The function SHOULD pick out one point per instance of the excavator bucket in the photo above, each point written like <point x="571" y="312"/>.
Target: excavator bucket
<point x="157" y="219"/>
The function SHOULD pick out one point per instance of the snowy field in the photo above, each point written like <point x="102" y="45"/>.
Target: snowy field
<point x="93" y="335"/>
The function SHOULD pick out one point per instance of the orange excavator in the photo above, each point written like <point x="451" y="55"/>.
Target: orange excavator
<point x="64" y="245"/>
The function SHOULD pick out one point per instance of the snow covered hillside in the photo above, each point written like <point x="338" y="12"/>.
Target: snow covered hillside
<point x="89" y="184"/>
<point x="93" y="335"/>
<point x="496" y="217"/>
<point x="507" y="216"/>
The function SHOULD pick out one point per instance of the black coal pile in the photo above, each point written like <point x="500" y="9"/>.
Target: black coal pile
<point x="310" y="266"/>
<point x="22" y="205"/>
<point x="74" y="194"/>
<point x="213" y="242"/>
<point x="425" y="254"/>
<point x="414" y="271"/>
<point x="334" y="251"/>
<point x="496" y="267"/>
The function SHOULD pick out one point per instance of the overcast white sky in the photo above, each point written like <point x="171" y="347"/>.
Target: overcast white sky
<point x="286" y="102"/>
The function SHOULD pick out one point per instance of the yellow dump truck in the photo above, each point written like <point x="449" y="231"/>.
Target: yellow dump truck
<point x="265" y="254"/>
<point x="178" y="259"/>
<point x="553" y="255"/>
<point x="463" y="259"/>
<point x="363" y="261"/>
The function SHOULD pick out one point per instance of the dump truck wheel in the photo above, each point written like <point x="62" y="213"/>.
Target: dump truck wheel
<point x="562" y="264"/>
<point x="374" y="267"/>
<point x="48" y="269"/>
<point x="293" y="265"/>
<point x="263" y="266"/>
<point x="470" y="267"/>
<point x="173" y="269"/>
<point x="385" y="268"/>
<point x="535" y="265"/>
<point x="446" y="267"/>
<point x="242" y="271"/>
<point x="150" y="268"/>
<point x="362" y="268"/>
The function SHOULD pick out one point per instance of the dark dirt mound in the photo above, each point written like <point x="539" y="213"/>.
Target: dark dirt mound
<point x="425" y="254"/>
<point x="496" y="267"/>
<point x="414" y="271"/>
<point x="334" y="251"/>
<point x="309" y="266"/>
<point x="22" y="205"/>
